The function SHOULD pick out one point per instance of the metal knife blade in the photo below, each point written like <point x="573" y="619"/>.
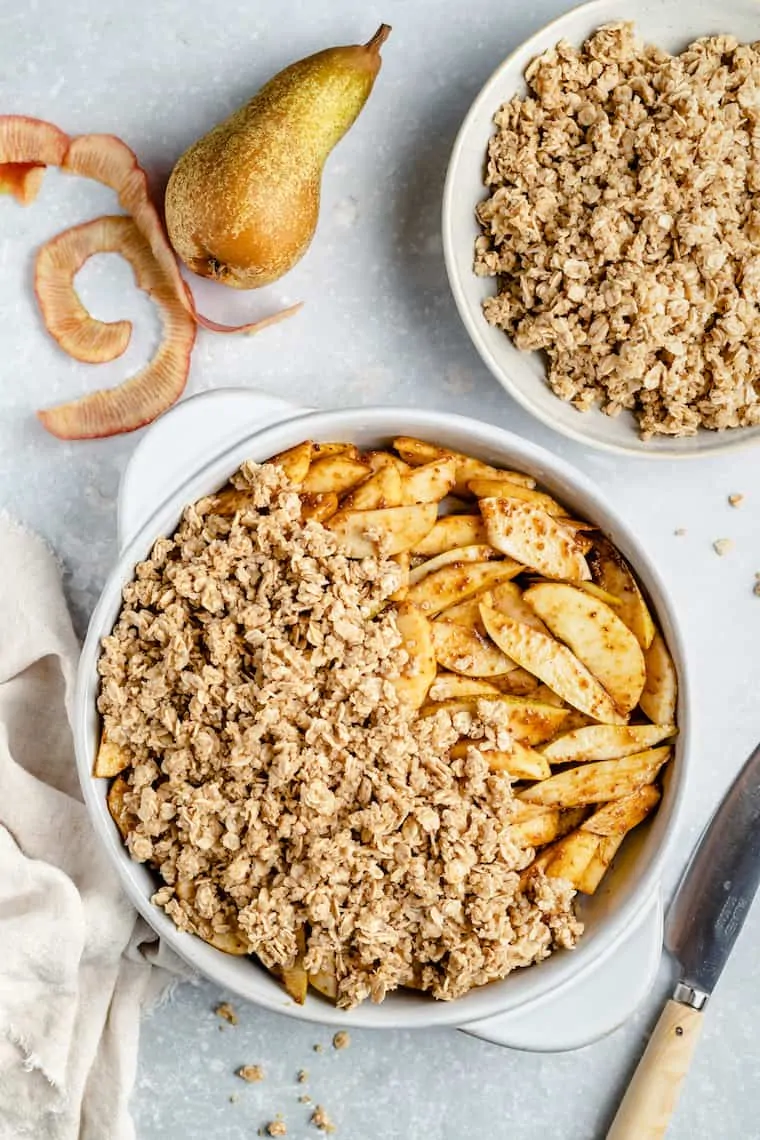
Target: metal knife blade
<point x="717" y="889"/>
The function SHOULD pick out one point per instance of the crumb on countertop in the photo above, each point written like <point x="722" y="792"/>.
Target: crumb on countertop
<point x="680" y="531"/>
<point x="250" y="1073"/>
<point x="277" y="1127"/>
<point x="233" y="1098"/>
<point x="736" y="500"/>
<point x="341" y="1040"/>
<point x="226" y="1012"/>
<point x="722" y="546"/>
<point x="756" y="587"/>
<point x="304" y="1099"/>
<point x="317" y="1048"/>
<point x="321" y="1120"/>
<point x="303" y="1076"/>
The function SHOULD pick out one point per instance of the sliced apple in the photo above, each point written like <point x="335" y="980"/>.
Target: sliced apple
<point x="417" y="451"/>
<point x="519" y="761"/>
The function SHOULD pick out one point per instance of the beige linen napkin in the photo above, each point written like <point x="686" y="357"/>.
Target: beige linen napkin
<point x="75" y="962"/>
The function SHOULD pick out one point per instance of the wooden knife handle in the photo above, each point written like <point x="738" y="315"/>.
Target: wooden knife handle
<point x="652" y="1095"/>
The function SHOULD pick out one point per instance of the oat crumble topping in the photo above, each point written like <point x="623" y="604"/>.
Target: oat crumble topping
<point x="723" y="546"/>
<point x="278" y="786"/>
<point x="341" y="1040"/>
<point x="277" y="1128"/>
<point x="736" y="500"/>
<point x="623" y="224"/>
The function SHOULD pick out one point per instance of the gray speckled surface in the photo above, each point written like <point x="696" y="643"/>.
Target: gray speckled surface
<point x="379" y="326"/>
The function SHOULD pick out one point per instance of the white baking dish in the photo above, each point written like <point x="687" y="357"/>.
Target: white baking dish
<point x="564" y="1002"/>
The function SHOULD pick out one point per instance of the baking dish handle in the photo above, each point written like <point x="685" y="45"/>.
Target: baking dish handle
<point x="180" y="441"/>
<point x="589" y="1006"/>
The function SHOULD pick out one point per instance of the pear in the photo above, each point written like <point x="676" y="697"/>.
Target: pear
<point x="242" y="203"/>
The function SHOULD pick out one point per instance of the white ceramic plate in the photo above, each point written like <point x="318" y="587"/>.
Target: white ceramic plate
<point x="628" y="890"/>
<point x="671" y="24"/>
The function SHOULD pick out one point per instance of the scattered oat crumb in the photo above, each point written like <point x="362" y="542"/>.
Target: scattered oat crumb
<point x="277" y="1127"/>
<point x="680" y="531"/>
<point x="250" y="1073"/>
<point x="304" y="1099"/>
<point x="736" y="500"/>
<point x="321" y="1120"/>
<point x="233" y="1098"/>
<point x="317" y="1048"/>
<point x="341" y="1040"/>
<point x="756" y="587"/>
<point x="303" y="1076"/>
<point x="225" y="1011"/>
<point x="722" y="546"/>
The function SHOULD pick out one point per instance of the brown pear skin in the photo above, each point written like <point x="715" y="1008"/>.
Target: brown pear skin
<point x="242" y="203"/>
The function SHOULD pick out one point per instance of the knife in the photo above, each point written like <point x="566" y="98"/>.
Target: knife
<point x="703" y="923"/>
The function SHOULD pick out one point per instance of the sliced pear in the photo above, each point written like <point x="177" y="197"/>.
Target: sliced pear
<point x="544" y="825"/>
<point x="598" y="782"/>
<point x="452" y="531"/>
<point x="429" y="483"/>
<point x="553" y="663"/>
<point x="569" y="857"/>
<point x="381" y="489"/>
<point x="464" y="651"/>
<point x="392" y="530"/>
<point x="518" y="761"/>
<point x="319" y="506"/>
<point x="378" y="459"/>
<point x="325" y="983"/>
<point x="419" y="671"/>
<point x="610" y="571"/>
<point x="115" y="800"/>
<point x="507" y="599"/>
<point x="111" y="759"/>
<point x="451" y="685"/>
<point x="533" y="537"/>
<point x="295" y="462"/>
<point x="660" y="696"/>
<point x="458" y="554"/>
<point x="458" y="581"/>
<point x="417" y="452"/>
<point x="530" y="722"/>
<point x="504" y="489"/>
<point x="605" y="742"/>
<point x="599" y="864"/>
<point x="596" y="635"/>
<point x="622" y="815"/>
<point x="336" y="473"/>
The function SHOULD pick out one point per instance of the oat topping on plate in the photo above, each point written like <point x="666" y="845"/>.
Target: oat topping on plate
<point x="623" y="224"/>
<point x="279" y="787"/>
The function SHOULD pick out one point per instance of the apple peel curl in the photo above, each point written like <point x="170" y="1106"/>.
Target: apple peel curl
<point x="27" y="146"/>
<point x="155" y="387"/>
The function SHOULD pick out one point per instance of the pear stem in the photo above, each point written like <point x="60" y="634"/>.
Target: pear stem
<point x="379" y="38"/>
